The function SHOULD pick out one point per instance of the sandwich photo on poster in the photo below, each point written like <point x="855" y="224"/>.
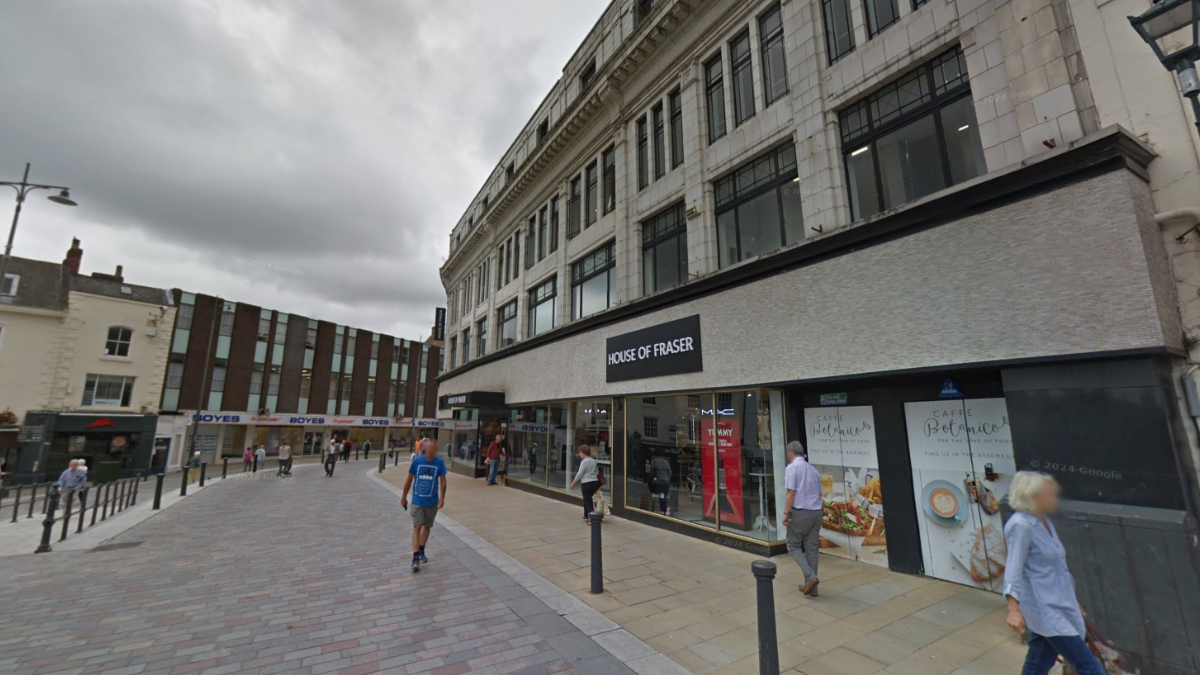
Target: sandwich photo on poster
<point x="722" y="489"/>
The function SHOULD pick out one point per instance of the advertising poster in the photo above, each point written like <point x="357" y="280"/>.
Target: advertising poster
<point x="963" y="466"/>
<point x="725" y="487"/>
<point x="841" y="446"/>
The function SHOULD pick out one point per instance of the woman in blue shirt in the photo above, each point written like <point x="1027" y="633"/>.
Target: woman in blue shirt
<point x="1037" y="583"/>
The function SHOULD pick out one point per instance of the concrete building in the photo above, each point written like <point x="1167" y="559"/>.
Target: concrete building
<point x="936" y="242"/>
<point x="251" y="376"/>
<point x="81" y="367"/>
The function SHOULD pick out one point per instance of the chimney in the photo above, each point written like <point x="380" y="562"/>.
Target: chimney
<point x="74" y="257"/>
<point x="120" y="276"/>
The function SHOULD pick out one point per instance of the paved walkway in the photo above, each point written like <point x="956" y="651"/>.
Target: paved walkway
<point x="695" y="601"/>
<point x="299" y="576"/>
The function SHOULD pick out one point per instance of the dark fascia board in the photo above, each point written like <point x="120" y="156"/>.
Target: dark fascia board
<point x="1110" y="149"/>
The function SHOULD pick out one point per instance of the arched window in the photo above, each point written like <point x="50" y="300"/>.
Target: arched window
<point x="118" y="341"/>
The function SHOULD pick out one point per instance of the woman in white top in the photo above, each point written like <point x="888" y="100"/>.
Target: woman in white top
<point x="588" y="478"/>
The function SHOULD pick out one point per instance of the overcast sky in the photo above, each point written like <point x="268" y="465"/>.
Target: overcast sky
<point x="308" y="156"/>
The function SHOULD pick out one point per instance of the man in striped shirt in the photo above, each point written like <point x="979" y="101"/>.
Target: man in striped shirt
<point x="71" y="481"/>
<point x="804" y="514"/>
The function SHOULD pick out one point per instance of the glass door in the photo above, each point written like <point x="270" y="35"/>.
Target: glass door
<point x="963" y="465"/>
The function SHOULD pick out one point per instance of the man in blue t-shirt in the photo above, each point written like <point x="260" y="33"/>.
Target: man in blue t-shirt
<point x="427" y="479"/>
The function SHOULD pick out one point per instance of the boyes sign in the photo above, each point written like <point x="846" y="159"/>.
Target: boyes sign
<point x="670" y="348"/>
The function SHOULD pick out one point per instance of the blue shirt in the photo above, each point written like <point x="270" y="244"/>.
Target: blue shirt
<point x="426" y="480"/>
<point x="72" y="478"/>
<point x="1036" y="575"/>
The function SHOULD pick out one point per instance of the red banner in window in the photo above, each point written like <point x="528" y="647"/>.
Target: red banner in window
<point x="725" y="485"/>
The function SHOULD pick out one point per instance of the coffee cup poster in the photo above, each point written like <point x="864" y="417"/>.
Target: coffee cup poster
<point x="841" y="446"/>
<point x="963" y="465"/>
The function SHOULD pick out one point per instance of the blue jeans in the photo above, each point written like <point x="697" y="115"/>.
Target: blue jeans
<point x="1044" y="652"/>
<point x="493" y="469"/>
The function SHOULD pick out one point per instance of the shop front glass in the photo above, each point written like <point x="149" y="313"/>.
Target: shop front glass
<point x="713" y="460"/>
<point x="458" y="439"/>
<point x="544" y="441"/>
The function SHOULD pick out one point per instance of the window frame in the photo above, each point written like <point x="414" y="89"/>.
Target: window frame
<point x="591" y="193"/>
<point x="675" y="105"/>
<point x="506" y="314"/>
<point x="554" y="218"/>
<point x="740" y="196"/>
<point x="643" y="151"/>
<point x="870" y="17"/>
<point x="547" y="291"/>
<point x="835" y="51"/>
<point x="714" y="85"/>
<point x="587" y="77"/>
<point x="575" y="208"/>
<point x="659" y="131"/>
<point x="608" y="178"/>
<point x="657" y="230"/>
<point x="580" y="277"/>
<point x="742" y="67"/>
<point x="541" y="236"/>
<point x="14" y="286"/>
<point x="481" y="337"/>
<point x="92" y="382"/>
<point x="531" y="242"/>
<point x="767" y="42"/>
<point x="124" y="338"/>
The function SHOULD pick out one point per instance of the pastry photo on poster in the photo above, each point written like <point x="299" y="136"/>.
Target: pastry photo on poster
<point x="962" y="459"/>
<point x="841" y="446"/>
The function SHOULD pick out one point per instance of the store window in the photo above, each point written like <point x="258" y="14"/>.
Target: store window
<point x="714" y="93"/>
<point x="481" y="331"/>
<point x="594" y="282"/>
<point x="758" y="207"/>
<point x="119" y="339"/>
<point x="107" y="391"/>
<point x="743" y="79"/>
<point x="543" y="307"/>
<point x="912" y="138"/>
<point x="839" y="31"/>
<point x="507" y="320"/>
<point x="664" y="250"/>
<point x="774" y="60"/>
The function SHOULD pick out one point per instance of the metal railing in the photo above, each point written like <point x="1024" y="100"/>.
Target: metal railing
<point x="24" y="500"/>
<point x="102" y="500"/>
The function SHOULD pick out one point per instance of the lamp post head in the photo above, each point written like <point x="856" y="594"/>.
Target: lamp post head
<point x="1172" y="29"/>
<point x="64" y="198"/>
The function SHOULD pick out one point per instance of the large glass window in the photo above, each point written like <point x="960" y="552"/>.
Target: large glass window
<point x="643" y="150"/>
<point x="758" y="207"/>
<point x="227" y="315"/>
<point x="531" y="242"/>
<point x="593" y="193"/>
<point x="481" y="331"/>
<point x="543" y="306"/>
<point x="554" y="224"/>
<point x="675" y="99"/>
<point x="107" y="391"/>
<point x="119" y="339"/>
<point x="174" y="375"/>
<point x="660" y="141"/>
<point x="664" y="250"/>
<point x="574" y="207"/>
<point x="541" y="236"/>
<point x="183" y="319"/>
<point x="610" y="180"/>
<point x="912" y="138"/>
<point x="594" y="282"/>
<point x="466" y="345"/>
<point x="743" y="79"/>
<point x="714" y="88"/>
<point x="507" y="320"/>
<point x="665" y="470"/>
<point x="774" y="61"/>
<point x="880" y="15"/>
<point x="839" y="32"/>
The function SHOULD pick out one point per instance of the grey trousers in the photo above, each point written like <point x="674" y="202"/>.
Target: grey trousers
<point x="804" y="540"/>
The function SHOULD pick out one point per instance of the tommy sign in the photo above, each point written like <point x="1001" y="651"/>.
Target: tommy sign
<point x="669" y="348"/>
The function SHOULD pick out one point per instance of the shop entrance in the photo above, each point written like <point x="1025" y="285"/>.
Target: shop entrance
<point x="962" y="460"/>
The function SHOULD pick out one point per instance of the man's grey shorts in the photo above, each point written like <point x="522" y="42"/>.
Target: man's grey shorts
<point x="423" y="516"/>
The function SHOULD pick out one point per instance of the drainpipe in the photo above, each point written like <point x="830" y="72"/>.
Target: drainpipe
<point x="1190" y="212"/>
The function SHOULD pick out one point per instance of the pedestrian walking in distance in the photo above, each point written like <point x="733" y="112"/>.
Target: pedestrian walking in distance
<point x="285" y="460"/>
<point x="247" y="459"/>
<point x="1037" y="583"/>
<point x="366" y="449"/>
<point x="427" y="480"/>
<point x="261" y="454"/>
<point x="588" y="479"/>
<point x="331" y="457"/>
<point x="71" y="481"/>
<point x="494" y="451"/>
<point x="804" y="514"/>
<point x="660" y="482"/>
<point x="347" y="446"/>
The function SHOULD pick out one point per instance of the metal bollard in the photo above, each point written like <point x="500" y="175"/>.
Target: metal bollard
<point x="183" y="485"/>
<point x="382" y="462"/>
<point x="48" y="523"/>
<point x="397" y="463"/>
<point x="82" y="509"/>
<point x="33" y="500"/>
<point x="254" y="465"/>
<point x="356" y="454"/>
<point x="17" y="504"/>
<point x="66" y="519"/>
<point x="768" y="639"/>
<point x="203" y="471"/>
<point x="597" y="555"/>
<point x="225" y="468"/>
<point x="158" y="482"/>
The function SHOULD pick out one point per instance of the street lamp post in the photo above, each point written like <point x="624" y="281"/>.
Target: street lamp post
<point x="1172" y="29"/>
<point x="23" y="189"/>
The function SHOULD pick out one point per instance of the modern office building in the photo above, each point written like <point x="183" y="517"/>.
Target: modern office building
<point x="249" y="376"/>
<point x="81" y="368"/>
<point x="925" y="239"/>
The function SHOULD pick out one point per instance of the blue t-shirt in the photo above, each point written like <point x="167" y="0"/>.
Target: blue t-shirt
<point x="426" y="480"/>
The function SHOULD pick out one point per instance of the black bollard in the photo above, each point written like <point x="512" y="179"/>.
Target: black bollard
<point x="183" y="484"/>
<point x="48" y="523"/>
<point x="83" y="495"/>
<point x="203" y="471"/>
<point x="225" y="468"/>
<point x="33" y="500"/>
<point x="768" y="639"/>
<point x="397" y="462"/>
<point x="356" y="454"/>
<point x="382" y="462"/>
<point x="158" y="481"/>
<point x="17" y="504"/>
<point x="597" y="555"/>
<point x="254" y="465"/>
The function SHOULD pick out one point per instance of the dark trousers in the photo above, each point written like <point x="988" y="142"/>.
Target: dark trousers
<point x="1044" y="652"/>
<point x="589" y="491"/>
<point x="245" y="466"/>
<point x="329" y="466"/>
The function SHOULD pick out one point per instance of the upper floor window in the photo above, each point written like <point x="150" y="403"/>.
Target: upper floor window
<point x="911" y="138"/>
<point x="774" y="60"/>
<point x="510" y="172"/>
<point x="593" y="193"/>
<point x="541" y="237"/>
<point x="714" y="88"/>
<point x="352" y="342"/>
<point x="543" y="306"/>
<point x="11" y="282"/>
<point x="642" y="9"/>
<point x="660" y="141"/>
<point x="609" y="196"/>
<point x="758" y="207"/>
<point x="305" y="383"/>
<point x="338" y="342"/>
<point x="500" y="267"/>
<point x="516" y="254"/>
<point x="107" y="391"/>
<point x="227" y="319"/>
<point x="119" y="339"/>
<point x="543" y="130"/>
<point x="839" y="31"/>
<point x="264" y="328"/>
<point x="506" y="318"/>
<point x="675" y="100"/>
<point x="310" y="338"/>
<point x="482" y="335"/>
<point x="594" y="282"/>
<point x="280" y="330"/>
<point x="174" y="375"/>
<point x="585" y="78"/>
<point x="554" y="224"/>
<point x="643" y="149"/>
<point x="375" y="347"/>
<point x="183" y="318"/>
<point x="664" y="249"/>
<point x="743" y="78"/>
<point x="574" y="207"/>
<point x="880" y="15"/>
<point x="453" y="356"/>
<point x="531" y="242"/>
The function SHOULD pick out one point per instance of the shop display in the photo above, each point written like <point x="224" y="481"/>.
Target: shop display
<point x="841" y="445"/>
<point x="963" y="465"/>
<point x="726" y="486"/>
